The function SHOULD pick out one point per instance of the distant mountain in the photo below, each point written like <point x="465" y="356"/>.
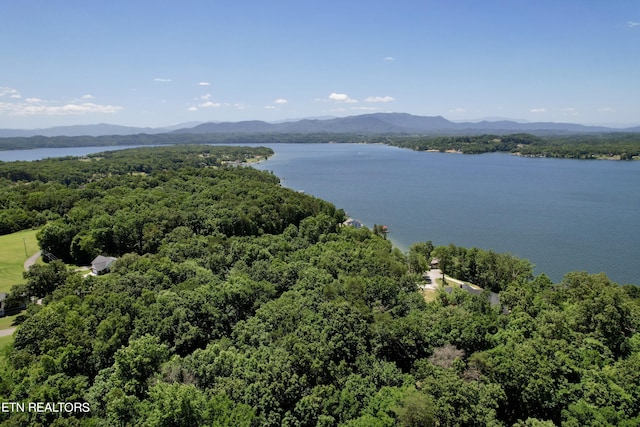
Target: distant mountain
<point x="366" y="124"/>
<point x="184" y="125"/>
<point x="507" y="125"/>
<point x="304" y="118"/>
<point x="100" y="129"/>
<point x="394" y="123"/>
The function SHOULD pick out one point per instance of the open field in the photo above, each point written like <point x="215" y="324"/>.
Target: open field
<point x="12" y="256"/>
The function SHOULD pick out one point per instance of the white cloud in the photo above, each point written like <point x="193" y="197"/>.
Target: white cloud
<point x="157" y="79"/>
<point x="605" y="110"/>
<point x="40" y="109"/>
<point x="209" y="104"/>
<point x="364" y="108"/>
<point x="338" y="96"/>
<point x="206" y="97"/>
<point x="341" y="97"/>
<point x="192" y="109"/>
<point x="204" y="84"/>
<point x="633" y="24"/>
<point x="84" y="98"/>
<point x="6" y="107"/>
<point x="458" y="110"/>
<point x="380" y="99"/>
<point x="34" y="106"/>
<point x="538" y="110"/>
<point x="88" y="107"/>
<point x="389" y="58"/>
<point x="11" y="93"/>
<point x="279" y="101"/>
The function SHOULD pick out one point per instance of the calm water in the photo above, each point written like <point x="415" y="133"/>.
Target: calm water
<point x="43" y="153"/>
<point x="563" y="215"/>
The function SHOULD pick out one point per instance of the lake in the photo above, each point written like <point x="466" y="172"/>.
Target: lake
<point x="561" y="214"/>
<point x="43" y="153"/>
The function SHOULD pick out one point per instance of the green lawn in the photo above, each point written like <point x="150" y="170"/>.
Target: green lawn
<point x="12" y="256"/>
<point x="7" y="322"/>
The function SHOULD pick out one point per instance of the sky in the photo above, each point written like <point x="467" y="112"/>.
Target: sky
<point x="159" y="63"/>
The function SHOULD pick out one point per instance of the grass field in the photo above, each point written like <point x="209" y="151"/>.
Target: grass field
<point x="12" y="256"/>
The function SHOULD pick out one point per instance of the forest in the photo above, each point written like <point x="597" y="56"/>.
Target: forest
<point x="612" y="146"/>
<point x="237" y="302"/>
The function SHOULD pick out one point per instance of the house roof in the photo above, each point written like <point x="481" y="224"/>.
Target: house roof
<point x="101" y="263"/>
<point x="471" y="290"/>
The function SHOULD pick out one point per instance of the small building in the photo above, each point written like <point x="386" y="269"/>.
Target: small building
<point x="352" y="223"/>
<point x="102" y="264"/>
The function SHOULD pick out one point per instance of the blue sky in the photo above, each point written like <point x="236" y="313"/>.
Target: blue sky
<point x="157" y="63"/>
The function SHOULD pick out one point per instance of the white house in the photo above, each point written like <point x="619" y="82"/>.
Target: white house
<point x="102" y="264"/>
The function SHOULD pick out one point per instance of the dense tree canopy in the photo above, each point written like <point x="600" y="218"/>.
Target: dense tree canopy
<point x="612" y="145"/>
<point x="618" y="146"/>
<point x="236" y="302"/>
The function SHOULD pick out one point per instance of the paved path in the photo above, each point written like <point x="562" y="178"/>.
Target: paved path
<point x="437" y="274"/>
<point x="31" y="260"/>
<point x="7" y="332"/>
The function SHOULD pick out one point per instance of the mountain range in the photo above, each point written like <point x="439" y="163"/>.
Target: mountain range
<point x="99" y="129"/>
<point x="377" y="123"/>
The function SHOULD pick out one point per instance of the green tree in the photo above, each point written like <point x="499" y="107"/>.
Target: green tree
<point x="419" y="256"/>
<point x="185" y="405"/>
<point x="416" y="410"/>
<point x="56" y="237"/>
<point x="43" y="279"/>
